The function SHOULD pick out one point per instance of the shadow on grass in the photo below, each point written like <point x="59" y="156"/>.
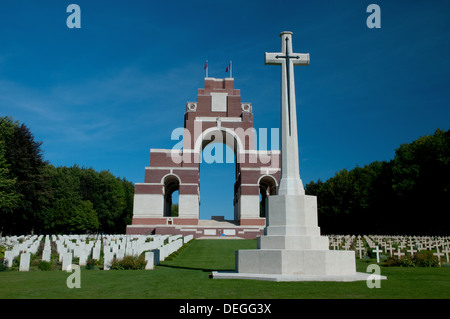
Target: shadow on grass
<point x="195" y="268"/>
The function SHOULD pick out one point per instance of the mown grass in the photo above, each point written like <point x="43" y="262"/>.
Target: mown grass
<point x="186" y="275"/>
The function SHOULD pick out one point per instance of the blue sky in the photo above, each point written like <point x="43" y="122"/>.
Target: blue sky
<point x="103" y="95"/>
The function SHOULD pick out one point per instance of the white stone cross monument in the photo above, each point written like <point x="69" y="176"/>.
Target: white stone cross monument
<point x="290" y="182"/>
<point x="292" y="248"/>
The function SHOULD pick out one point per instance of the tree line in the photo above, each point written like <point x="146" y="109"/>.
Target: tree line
<point x="408" y="195"/>
<point x="38" y="197"/>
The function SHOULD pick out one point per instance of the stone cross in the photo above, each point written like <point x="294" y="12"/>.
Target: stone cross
<point x="399" y="253"/>
<point x="360" y="248"/>
<point x="390" y="248"/>
<point x="419" y="246"/>
<point x="446" y="251"/>
<point x="335" y="245"/>
<point x="290" y="182"/>
<point x="384" y="244"/>
<point x="377" y="251"/>
<point x="369" y="241"/>
<point x="411" y="251"/>
<point x="438" y="254"/>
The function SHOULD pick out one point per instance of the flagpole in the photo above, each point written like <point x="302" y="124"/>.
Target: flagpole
<point x="206" y="68"/>
<point x="231" y="70"/>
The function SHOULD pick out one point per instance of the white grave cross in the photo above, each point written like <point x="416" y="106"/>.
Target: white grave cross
<point x="399" y="253"/>
<point x="360" y="248"/>
<point x="390" y="248"/>
<point x="446" y="251"/>
<point x="411" y="251"/>
<point x="377" y="251"/>
<point x="438" y="254"/>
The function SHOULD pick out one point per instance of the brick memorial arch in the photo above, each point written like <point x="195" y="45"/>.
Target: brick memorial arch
<point x="218" y="116"/>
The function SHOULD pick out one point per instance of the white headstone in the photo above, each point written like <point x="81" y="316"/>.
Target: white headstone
<point x="120" y="253"/>
<point x="83" y="255"/>
<point x="149" y="258"/>
<point x="188" y="238"/>
<point x="9" y="258"/>
<point x="107" y="260"/>
<point x="46" y="255"/>
<point x="24" y="262"/>
<point x="66" y="261"/>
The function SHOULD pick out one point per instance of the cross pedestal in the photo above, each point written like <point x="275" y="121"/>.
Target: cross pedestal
<point x="292" y="248"/>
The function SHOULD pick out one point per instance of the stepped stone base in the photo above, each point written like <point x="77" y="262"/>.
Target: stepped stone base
<point x="292" y="248"/>
<point x="296" y="262"/>
<point x="272" y="277"/>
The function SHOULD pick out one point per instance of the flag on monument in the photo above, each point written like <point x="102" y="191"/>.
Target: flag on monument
<point x="229" y="69"/>
<point x="206" y="68"/>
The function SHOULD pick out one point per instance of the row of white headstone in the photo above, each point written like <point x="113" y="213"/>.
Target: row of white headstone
<point x="22" y="246"/>
<point x="392" y="245"/>
<point x="156" y="248"/>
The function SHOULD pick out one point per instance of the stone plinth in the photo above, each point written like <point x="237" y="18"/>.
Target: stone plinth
<point x="292" y="248"/>
<point x="292" y="224"/>
<point x="292" y="244"/>
<point x="296" y="262"/>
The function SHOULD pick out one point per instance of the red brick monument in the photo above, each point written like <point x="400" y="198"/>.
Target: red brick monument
<point x="218" y="116"/>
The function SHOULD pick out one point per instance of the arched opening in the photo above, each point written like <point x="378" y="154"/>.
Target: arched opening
<point x="267" y="187"/>
<point x="174" y="207"/>
<point x="171" y="187"/>
<point x="217" y="179"/>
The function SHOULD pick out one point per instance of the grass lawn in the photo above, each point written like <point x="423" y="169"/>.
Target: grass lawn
<point x="186" y="275"/>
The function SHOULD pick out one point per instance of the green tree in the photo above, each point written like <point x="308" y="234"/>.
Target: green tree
<point x="65" y="198"/>
<point x="127" y="213"/>
<point x="111" y="199"/>
<point x="174" y="210"/>
<point x="37" y="196"/>
<point x="421" y="183"/>
<point x="83" y="219"/>
<point x="407" y="195"/>
<point x="9" y="197"/>
<point x="26" y="165"/>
